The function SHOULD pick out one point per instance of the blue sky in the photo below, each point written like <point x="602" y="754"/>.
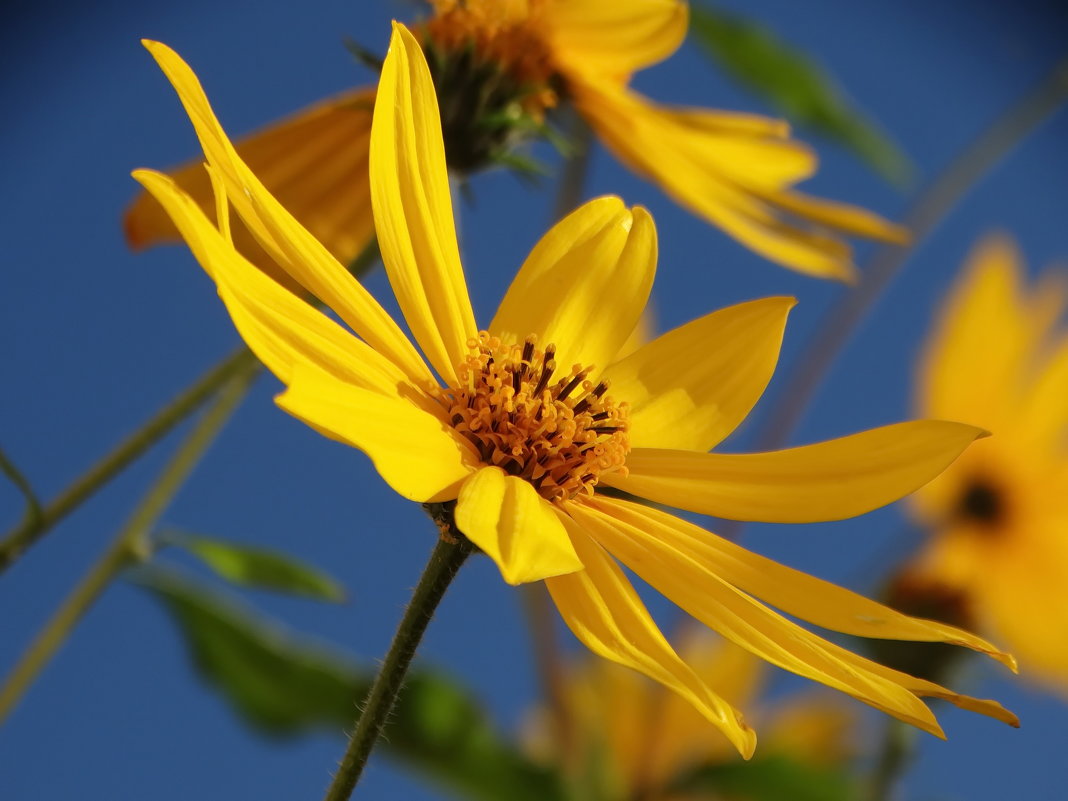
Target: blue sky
<point x="96" y="338"/>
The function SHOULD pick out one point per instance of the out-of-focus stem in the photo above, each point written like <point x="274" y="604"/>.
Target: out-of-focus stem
<point x="129" y="546"/>
<point x="241" y="363"/>
<point x="928" y="211"/>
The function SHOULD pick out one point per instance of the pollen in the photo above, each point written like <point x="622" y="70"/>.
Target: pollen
<point x="558" y="430"/>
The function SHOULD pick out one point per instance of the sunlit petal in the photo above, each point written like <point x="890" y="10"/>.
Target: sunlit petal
<point x="830" y="480"/>
<point x="792" y="591"/>
<point x="585" y="284"/>
<point x="417" y="454"/>
<point x="518" y="529"/>
<point x="279" y="233"/>
<point x="413" y="207"/>
<point x="279" y="327"/>
<point x="691" y="387"/>
<point x="602" y="609"/>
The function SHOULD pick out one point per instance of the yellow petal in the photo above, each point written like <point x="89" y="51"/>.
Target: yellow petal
<point x="278" y="232"/>
<point x="279" y="327"/>
<point x="974" y="360"/>
<point x="418" y="455"/>
<point x="733" y="175"/>
<point x="517" y="528"/>
<point x="602" y="609"/>
<point x="618" y="37"/>
<point x="691" y="387"/>
<point x="830" y="480"/>
<point x="745" y="621"/>
<point x="796" y="593"/>
<point x="843" y="217"/>
<point x="584" y="285"/>
<point x="314" y="162"/>
<point x="413" y="208"/>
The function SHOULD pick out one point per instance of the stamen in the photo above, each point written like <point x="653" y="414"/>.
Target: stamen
<point x="505" y="407"/>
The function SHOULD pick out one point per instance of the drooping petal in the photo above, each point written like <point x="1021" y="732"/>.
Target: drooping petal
<point x="419" y="456"/>
<point x="280" y="328"/>
<point x="413" y="207"/>
<point x="584" y="285"/>
<point x="691" y="387"/>
<point x="314" y="162"/>
<point x="518" y="529"/>
<point x="734" y="176"/>
<point x="616" y="38"/>
<point x="830" y="480"/>
<point x="792" y="591"/>
<point x="746" y="622"/>
<point x="602" y="609"/>
<point x="292" y="247"/>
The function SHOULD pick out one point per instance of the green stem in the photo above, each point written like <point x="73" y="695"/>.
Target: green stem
<point x="448" y="556"/>
<point x="894" y="757"/>
<point x="242" y="363"/>
<point x="927" y="212"/>
<point x="33" y="505"/>
<point x="573" y="177"/>
<point x="130" y="545"/>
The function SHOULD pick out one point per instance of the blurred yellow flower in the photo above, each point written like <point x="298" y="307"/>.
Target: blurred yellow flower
<point x="999" y="516"/>
<point x="498" y="65"/>
<point x="521" y="430"/>
<point x="638" y="741"/>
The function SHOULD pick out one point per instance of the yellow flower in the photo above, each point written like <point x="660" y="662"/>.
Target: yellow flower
<point x="1000" y="514"/>
<point x="498" y="65"/>
<point x="521" y="430"/>
<point x="638" y="741"/>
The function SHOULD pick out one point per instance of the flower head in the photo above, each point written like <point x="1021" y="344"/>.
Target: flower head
<point x="498" y="67"/>
<point x="999" y="516"/>
<point x="516" y="427"/>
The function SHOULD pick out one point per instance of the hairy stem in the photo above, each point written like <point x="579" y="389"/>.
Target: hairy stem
<point x="449" y="554"/>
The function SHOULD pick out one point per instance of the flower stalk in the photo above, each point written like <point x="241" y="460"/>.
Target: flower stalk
<point x="449" y="554"/>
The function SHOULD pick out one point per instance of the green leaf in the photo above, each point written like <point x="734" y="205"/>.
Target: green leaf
<point x="283" y="684"/>
<point x="278" y="683"/>
<point x="777" y="777"/>
<point x="440" y="727"/>
<point x="258" y="568"/>
<point x="797" y="87"/>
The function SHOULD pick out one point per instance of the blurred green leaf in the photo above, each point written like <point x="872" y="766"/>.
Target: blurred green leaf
<point x="772" y="778"/>
<point x="278" y="683"/>
<point x="796" y="86"/>
<point x="284" y="684"/>
<point x="258" y="568"/>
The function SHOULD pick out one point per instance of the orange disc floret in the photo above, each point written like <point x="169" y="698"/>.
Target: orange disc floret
<point x="559" y="432"/>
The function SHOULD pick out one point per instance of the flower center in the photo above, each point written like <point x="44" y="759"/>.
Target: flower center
<point x="982" y="502"/>
<point x="494" y="76"/>
<point x="560" y="432"/>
